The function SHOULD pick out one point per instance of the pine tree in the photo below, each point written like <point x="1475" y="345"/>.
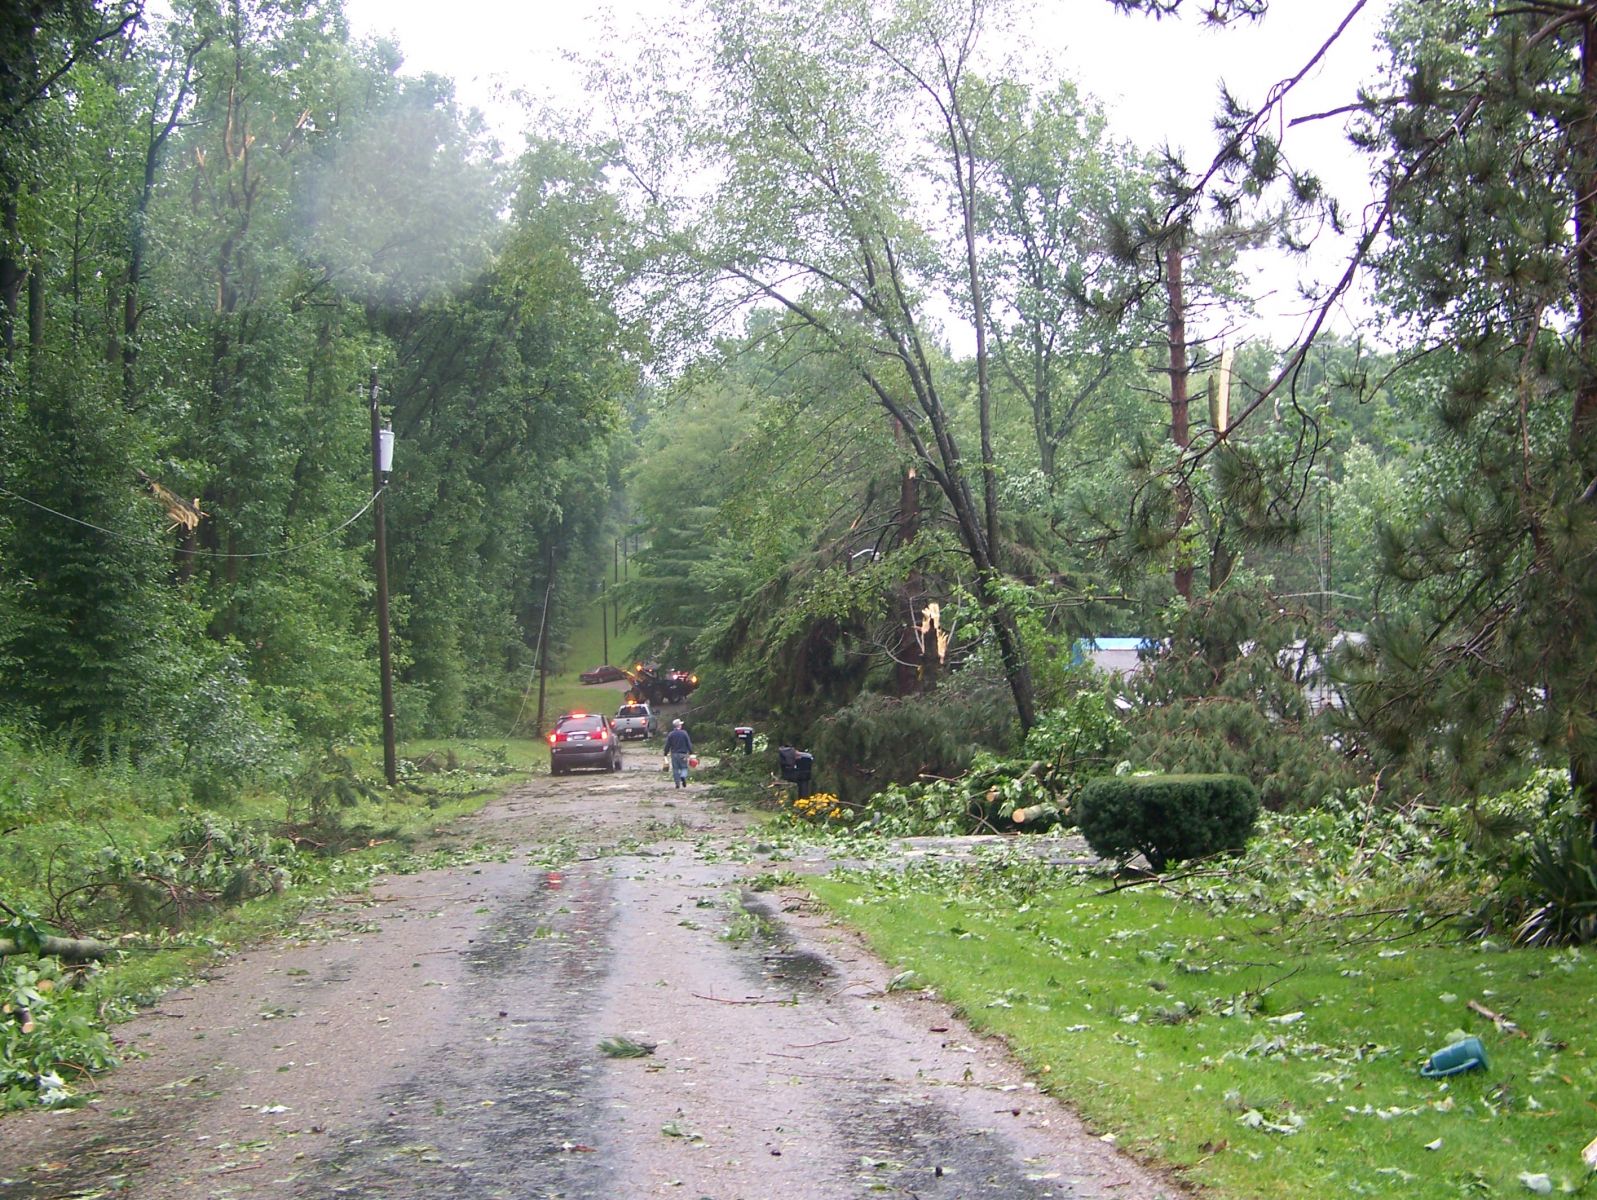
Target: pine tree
<point x="1487" y="128"/>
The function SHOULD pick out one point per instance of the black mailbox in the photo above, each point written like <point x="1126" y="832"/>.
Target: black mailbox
<point x="797" y="767"/>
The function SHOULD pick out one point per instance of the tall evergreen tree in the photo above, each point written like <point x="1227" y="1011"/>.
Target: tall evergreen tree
<point x="1486" y="128"/>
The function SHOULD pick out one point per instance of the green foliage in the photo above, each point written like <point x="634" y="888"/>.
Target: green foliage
<point x="1167" y="818"/>
<point x="1563" y="875"/>
<point x="57" y="813"/>
<point x="747" y="484"/>
<point x="225" y="737"/>
<point x="938" y="808"/>
<point x="209" y="860"/>
<point x="1298" y="766"/>
<point x="880" y="740"/>
<point x="1486" y="559"/>
<point x="1056" y="191"/>
<point x="1315" y="869"/>
<point x="325" y="789"/>
<point x="1032" y="793"/>
<point x="994" y="795"/>
<point x="96" y="639"/>
<point x="1083" y="736"/>
<point x="50" y="1035"/>
<point x="1229" y="694"/>
<point x="625" y="1047"/>
<point x="213" y="261"/>
<point x="1049" y="643"/>
<point x="1533" y="855"/>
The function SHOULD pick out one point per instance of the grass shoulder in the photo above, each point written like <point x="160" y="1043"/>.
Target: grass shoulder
<point x="1258" y="1056"/>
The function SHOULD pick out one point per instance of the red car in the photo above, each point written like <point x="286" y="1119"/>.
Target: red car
<point x="604" y="674"/>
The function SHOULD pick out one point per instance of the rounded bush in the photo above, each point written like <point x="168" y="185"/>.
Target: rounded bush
<point x="1166" y="818"/>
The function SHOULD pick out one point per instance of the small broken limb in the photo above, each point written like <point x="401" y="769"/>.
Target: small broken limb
<point x="1504" y="1025"/>
<point x="625" y="1047"/>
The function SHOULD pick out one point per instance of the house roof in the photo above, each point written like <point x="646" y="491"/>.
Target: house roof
<point x="1114" y="643"/>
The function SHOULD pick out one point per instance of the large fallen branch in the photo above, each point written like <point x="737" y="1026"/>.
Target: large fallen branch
<point x="68" y="949"/>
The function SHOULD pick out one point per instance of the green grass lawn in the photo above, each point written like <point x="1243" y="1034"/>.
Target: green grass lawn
<point x="563" y="691"/>
<point x="1262" y="1060"/>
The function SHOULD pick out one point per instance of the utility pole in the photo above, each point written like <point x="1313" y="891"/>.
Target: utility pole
<point x="381" y="464"/>
<point x="543" y="628"/>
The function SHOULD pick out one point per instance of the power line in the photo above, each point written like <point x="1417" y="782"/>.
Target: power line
<point x="537" y="661"/>
<point x="138" y="541"/>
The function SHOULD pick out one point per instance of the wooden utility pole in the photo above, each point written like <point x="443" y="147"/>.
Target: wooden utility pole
<point x="543" y="629"/>
<point x="384" y="651"/>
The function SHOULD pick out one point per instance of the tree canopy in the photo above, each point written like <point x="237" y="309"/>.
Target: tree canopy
<point x="904" y="371"/>
<point x="217" y="221"/>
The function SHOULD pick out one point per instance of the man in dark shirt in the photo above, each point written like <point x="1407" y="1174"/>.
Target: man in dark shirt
<point x="679" y="746"/>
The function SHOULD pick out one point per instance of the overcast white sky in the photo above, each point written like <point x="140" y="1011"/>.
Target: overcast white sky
<point x="1158" y="80"/>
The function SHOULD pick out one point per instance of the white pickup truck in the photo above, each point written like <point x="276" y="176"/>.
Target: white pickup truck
<point x="635" y="721"/>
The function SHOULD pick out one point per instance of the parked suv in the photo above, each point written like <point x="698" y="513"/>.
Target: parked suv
<point x="583" y="740"/>
<point x="635" y="721"/>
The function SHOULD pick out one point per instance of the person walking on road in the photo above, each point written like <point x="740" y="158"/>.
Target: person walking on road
<point x="678" y="747"/>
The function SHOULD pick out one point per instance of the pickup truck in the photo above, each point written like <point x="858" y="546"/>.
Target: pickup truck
<point x="635" y="721"/>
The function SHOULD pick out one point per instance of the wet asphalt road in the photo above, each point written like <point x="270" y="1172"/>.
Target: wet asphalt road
<point x="438" y="1037"/>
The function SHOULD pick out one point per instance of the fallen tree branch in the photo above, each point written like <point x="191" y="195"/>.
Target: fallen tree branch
<point x="1504" y="1025"/>
<point x="1162" y="880"/>
<point x="68" y="949"/>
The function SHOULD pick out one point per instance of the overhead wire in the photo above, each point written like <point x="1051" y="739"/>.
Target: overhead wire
<point x="537" y="663"/>
<point x="198" y="553"/>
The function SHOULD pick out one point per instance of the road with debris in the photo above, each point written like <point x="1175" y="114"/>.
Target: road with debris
<point x="438" y="1035"/>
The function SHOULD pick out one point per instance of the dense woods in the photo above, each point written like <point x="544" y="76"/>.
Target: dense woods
<point x="903" y="373"/>
<point x="217" y="222"/>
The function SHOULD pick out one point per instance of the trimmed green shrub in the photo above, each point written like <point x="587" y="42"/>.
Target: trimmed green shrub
<point x="1167" y="818"/>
